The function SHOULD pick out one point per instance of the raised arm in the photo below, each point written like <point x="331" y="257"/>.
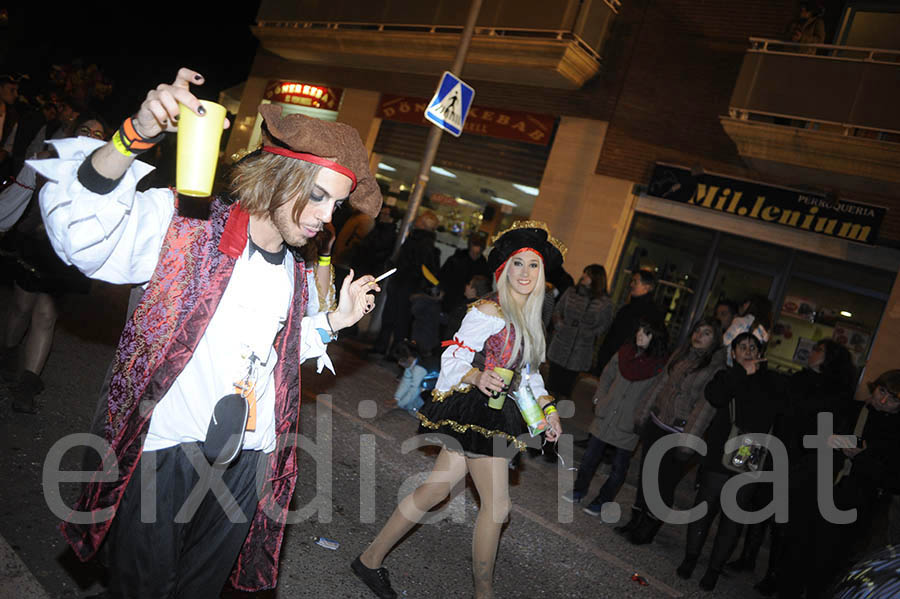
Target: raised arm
<point x="94" y="217"/>
<point x="158" y="114"/>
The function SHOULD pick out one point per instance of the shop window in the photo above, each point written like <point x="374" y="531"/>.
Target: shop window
<point x="828" y="299"/>
<point x="676" y="252"/>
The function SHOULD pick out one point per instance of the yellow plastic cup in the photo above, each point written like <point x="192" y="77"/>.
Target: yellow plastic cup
<point x="497" y="402"/>
<point x="198" y="149"/>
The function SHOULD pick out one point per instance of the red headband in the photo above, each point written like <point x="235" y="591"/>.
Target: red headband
<point x="499" y="270"/>
<point x="329" y="164"/>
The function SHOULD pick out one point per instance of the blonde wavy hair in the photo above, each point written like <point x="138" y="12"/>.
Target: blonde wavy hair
<point x="262" y="182"/>
<point x="526" y="319"/>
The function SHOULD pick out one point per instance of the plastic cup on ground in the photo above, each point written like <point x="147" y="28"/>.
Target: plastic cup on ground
<point x="496" y="400"/>
<point x="198" y="149"/>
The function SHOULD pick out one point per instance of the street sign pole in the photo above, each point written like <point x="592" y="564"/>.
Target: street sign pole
<point x="434" y="136"/>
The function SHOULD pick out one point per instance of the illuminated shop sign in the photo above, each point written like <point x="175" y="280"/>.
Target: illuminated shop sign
<point x="778" y="205"/>
<point x="492" y="122"/>
<point x="303" y="94"/>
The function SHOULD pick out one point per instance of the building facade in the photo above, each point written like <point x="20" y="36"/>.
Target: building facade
<point x="692" y="137"/>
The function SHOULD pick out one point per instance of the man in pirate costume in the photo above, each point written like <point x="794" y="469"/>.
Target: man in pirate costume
<point x="502" y="330"/>
<point x="222" y="328"/>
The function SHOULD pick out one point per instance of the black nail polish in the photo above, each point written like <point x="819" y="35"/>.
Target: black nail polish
<point x="176" y="117"/>
<point x="201" y="111"/>
<point x="198" y="77"/>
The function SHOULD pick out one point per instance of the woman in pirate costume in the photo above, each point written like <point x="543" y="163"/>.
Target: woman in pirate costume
<point x="502" y="330"/>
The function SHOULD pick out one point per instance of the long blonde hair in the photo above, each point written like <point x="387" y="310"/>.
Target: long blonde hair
<point x="526" y="319"/>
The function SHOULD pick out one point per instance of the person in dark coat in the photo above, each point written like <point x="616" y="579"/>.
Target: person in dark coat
<point x="375" y="249"/>
<point x="865" y="464"/>
<point x="825" y="385"/>
<point x="640" y="306"/>
<point x="754" y="391"/>
<point x="417" y="251"/>
<point x="459" y="269"/>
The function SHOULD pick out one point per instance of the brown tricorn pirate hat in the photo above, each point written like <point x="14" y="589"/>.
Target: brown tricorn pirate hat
<point x="334" y="145"/>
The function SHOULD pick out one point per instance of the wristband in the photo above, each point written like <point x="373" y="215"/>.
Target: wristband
<point x="325" y="260"/>
<point x="119" y="145"/>
<point x="132" y="141"/>
<point x="94" y="181"/>
<point x="550" y="409"/>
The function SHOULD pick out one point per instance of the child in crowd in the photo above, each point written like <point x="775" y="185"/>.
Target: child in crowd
<point x="420" y="371"/>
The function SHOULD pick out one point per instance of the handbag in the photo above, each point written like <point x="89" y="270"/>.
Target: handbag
<point x="750" y="455"/>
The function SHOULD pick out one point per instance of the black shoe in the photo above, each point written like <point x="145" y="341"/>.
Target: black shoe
<point x="766" y="587"/>
<point x="742" y="564"/>
<point x="645" y="531"/>
<point x="23" y="392"/>
<point x="709" y="580"/>
<point x="377" y="580"/>
<point x="686" y="568"/>
<point x="636" y="517"/>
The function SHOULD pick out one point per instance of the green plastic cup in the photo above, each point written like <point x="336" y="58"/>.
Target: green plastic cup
<point x="497" y="402"/>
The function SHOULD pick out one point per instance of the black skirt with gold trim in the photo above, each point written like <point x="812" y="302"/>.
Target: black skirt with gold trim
<point x="462" y="421"/>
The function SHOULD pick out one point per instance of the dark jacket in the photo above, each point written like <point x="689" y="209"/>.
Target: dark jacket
<point x="456" y="272"/>
<point x="374" y="251"/>
<point x="757" y="401"/>
<point x="624" y="326"/>
<point x="878" y="465"/>
<point x="808" y="393"/>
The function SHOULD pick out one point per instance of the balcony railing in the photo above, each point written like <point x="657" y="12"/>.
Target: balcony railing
<point x="841" y="89"/>
<point x="532" y="42"/>
<point x="480" y="32"/>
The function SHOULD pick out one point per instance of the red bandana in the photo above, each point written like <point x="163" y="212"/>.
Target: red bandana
<point x="329" y="164"/>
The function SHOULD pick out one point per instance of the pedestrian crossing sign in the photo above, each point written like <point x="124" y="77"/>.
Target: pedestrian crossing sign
<point x="450" y="105"/>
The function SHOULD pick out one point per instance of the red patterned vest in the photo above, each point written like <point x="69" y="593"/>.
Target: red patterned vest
<point x="195" y="264"/>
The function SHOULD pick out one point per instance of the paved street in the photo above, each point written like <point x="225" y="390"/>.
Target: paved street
<point x="361" y="467"/>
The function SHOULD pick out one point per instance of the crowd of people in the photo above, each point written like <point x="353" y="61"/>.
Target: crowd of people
<point x="208" y="367"/>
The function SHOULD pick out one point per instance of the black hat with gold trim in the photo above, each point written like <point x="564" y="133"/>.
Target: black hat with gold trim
<point x="525" y="235"/>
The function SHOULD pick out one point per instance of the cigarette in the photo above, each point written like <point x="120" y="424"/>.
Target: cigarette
<point x="385" y="275"/>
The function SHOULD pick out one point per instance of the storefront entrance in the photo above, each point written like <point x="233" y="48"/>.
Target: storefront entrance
<point x="813" y="297"/>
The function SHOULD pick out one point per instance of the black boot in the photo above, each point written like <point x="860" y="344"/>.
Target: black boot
<point x="709" y="580"/>
<point x="636" y="516"/>
<point x="687" y="567"/>
<point x="24" y="390"/>
<point x="9" y="358"/>
<point x="742" y="564"/>
<point x="767" y="586"/>
<point x="645" y="531"/>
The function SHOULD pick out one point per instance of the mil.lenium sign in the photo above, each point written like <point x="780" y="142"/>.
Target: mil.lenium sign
<point x="788" y="207"/>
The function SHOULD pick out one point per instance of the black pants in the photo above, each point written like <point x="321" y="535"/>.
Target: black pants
<point x="396" y="318"/>
<point x="671" y="469"/>
<point x="815" y="550"/>
<point x="561" y="380"/>
<point x="729" y="531"/>
<point x="173" y="553"/>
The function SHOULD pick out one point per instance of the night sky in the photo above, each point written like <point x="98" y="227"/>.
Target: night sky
<point x="134" y="48"/>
